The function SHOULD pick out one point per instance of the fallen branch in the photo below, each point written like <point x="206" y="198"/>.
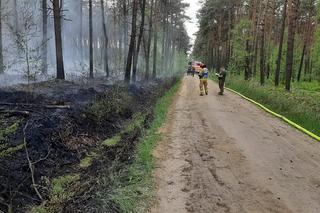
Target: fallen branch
<point x="15" y="112"/>
<point x="35" y="105"/>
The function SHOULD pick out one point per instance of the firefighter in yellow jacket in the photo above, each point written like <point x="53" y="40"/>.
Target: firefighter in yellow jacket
<point x="203" y="76"/>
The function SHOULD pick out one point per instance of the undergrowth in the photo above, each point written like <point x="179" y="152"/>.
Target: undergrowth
<point x="133" y="187"/>
<point x="122" y="164"/>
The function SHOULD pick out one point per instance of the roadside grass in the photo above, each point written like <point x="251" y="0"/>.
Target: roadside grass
<point x="302" y="105"/>
<point x="133" y="187"/>
<point x="62" y="188"/>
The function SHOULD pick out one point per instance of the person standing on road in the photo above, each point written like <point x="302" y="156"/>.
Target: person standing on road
<point x="222" y="79"/>
<point x="203" y="76"/>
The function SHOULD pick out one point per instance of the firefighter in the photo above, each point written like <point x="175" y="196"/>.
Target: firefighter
<point x="203" y="76"/>
<point x="222" y="79"/>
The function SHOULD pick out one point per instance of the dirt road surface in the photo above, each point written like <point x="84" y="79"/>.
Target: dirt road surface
<point x="223" y="154"/>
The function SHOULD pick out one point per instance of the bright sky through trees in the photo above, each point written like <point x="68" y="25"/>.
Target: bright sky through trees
<point x="192" y="25"/>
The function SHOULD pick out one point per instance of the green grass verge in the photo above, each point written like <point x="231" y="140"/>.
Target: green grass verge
<point x="133" y="189"/>
<point x="62" y="188"/>
<point x="302" y="105"/>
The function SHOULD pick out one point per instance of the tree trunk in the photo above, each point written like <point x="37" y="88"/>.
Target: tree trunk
<point x="127" y="77"/>
<point x="136" y="53"/>
<point x="277" y="74"/>
<point x="58" y="39"/>
<point x="1" y="48"/>
<point x="155" y="52"/>
<point x="148" y="48"/>
<point x="90" y="39"/>
<point x="262" y="55"/>
<point x="106" y="40"/>
<point x="125" y="29"/>
<point x="164" y="30"/>
<point x="290" y="48"/>
<point x="301" y="61"/>
<point x="248" y="59"/>
<point x="81" y="31"/>
<point x="44" y="37"/>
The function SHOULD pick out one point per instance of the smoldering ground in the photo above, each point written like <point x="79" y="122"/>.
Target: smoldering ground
<point x="55" y="127"/>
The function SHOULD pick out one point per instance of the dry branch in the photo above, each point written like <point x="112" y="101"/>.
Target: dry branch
<point x="30" y="163"/>
<point x="15" y="112"/>
<point x="35" y="105"/>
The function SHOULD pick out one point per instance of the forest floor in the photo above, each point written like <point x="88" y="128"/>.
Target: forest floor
<point x="223" y="154"/>
<point x="62" y="143"/>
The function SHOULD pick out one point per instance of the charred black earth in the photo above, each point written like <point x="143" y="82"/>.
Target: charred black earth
<point x="47" y="129"/>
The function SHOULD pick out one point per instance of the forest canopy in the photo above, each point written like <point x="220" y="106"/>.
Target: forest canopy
<point x="267" y="39"/>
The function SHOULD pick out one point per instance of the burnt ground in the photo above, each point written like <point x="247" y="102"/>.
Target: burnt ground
<point x="47" y="128"/>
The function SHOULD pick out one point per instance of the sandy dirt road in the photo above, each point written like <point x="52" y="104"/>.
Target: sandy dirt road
<point x="223" y="154"/>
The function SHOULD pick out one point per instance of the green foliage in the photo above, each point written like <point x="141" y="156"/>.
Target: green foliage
<point x="316" y="54"/>
<point x="241" y="34"/>
<point x="59" y="190"/>
<point x="102" y="110"/>
<point x="5" y="133"/>
<point x="62" y="189"/>
<point x="300" y="106"/>
<point x="4" y="136"/>
<point x="87" y="161"/>
<point x="11" y="150"/>
<point x="112" y="141"/>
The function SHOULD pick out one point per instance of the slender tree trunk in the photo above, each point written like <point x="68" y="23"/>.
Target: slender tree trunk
<point x="58" y="39"/>
<point x="164" y="35"/>
<point x="81" y="31"/>
<point x="262" y="45"/>
<point x="127" y="77"/>
<point x="277" y="74"/>
<point x="44" y="37"/>
<point x="136" y="53"/>
<point x="155" y="52"/>
<point x="290" y="50"/>
<point x="248" y="59"/>
<point x="90" y="39"/>
<point x="1" y="47"/>
<point x="15" y="13"/>
<point x="125" y="29"/>
<point x="106" y="40"/>
<point x="301" y="61"/>
<point x="148" y="49"/>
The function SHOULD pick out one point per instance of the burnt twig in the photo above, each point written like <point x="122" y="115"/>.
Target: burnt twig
<point x="30" y="163"/>
<point x="35" y="105"/>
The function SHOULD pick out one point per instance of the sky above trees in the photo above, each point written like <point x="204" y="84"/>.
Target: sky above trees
<point x="192" y="25"/>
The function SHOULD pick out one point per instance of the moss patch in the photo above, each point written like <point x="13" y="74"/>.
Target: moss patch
<point x="133" y="187"/>
<point x="87" y="161"/>
<point x="11" y="150"/>
<point x="112" y="141"/>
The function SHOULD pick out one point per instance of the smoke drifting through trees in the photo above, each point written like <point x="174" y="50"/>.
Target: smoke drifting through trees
<point x="160" y="44"/>
<point x="277" y="39"/>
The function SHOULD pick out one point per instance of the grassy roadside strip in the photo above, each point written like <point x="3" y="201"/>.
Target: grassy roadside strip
<point x="299" y="108"/>
<point x="135" y="188"/>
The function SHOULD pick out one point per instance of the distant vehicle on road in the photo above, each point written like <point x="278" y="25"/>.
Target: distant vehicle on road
<point x="190" y="70"/>
<point x="197" y="66"/>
